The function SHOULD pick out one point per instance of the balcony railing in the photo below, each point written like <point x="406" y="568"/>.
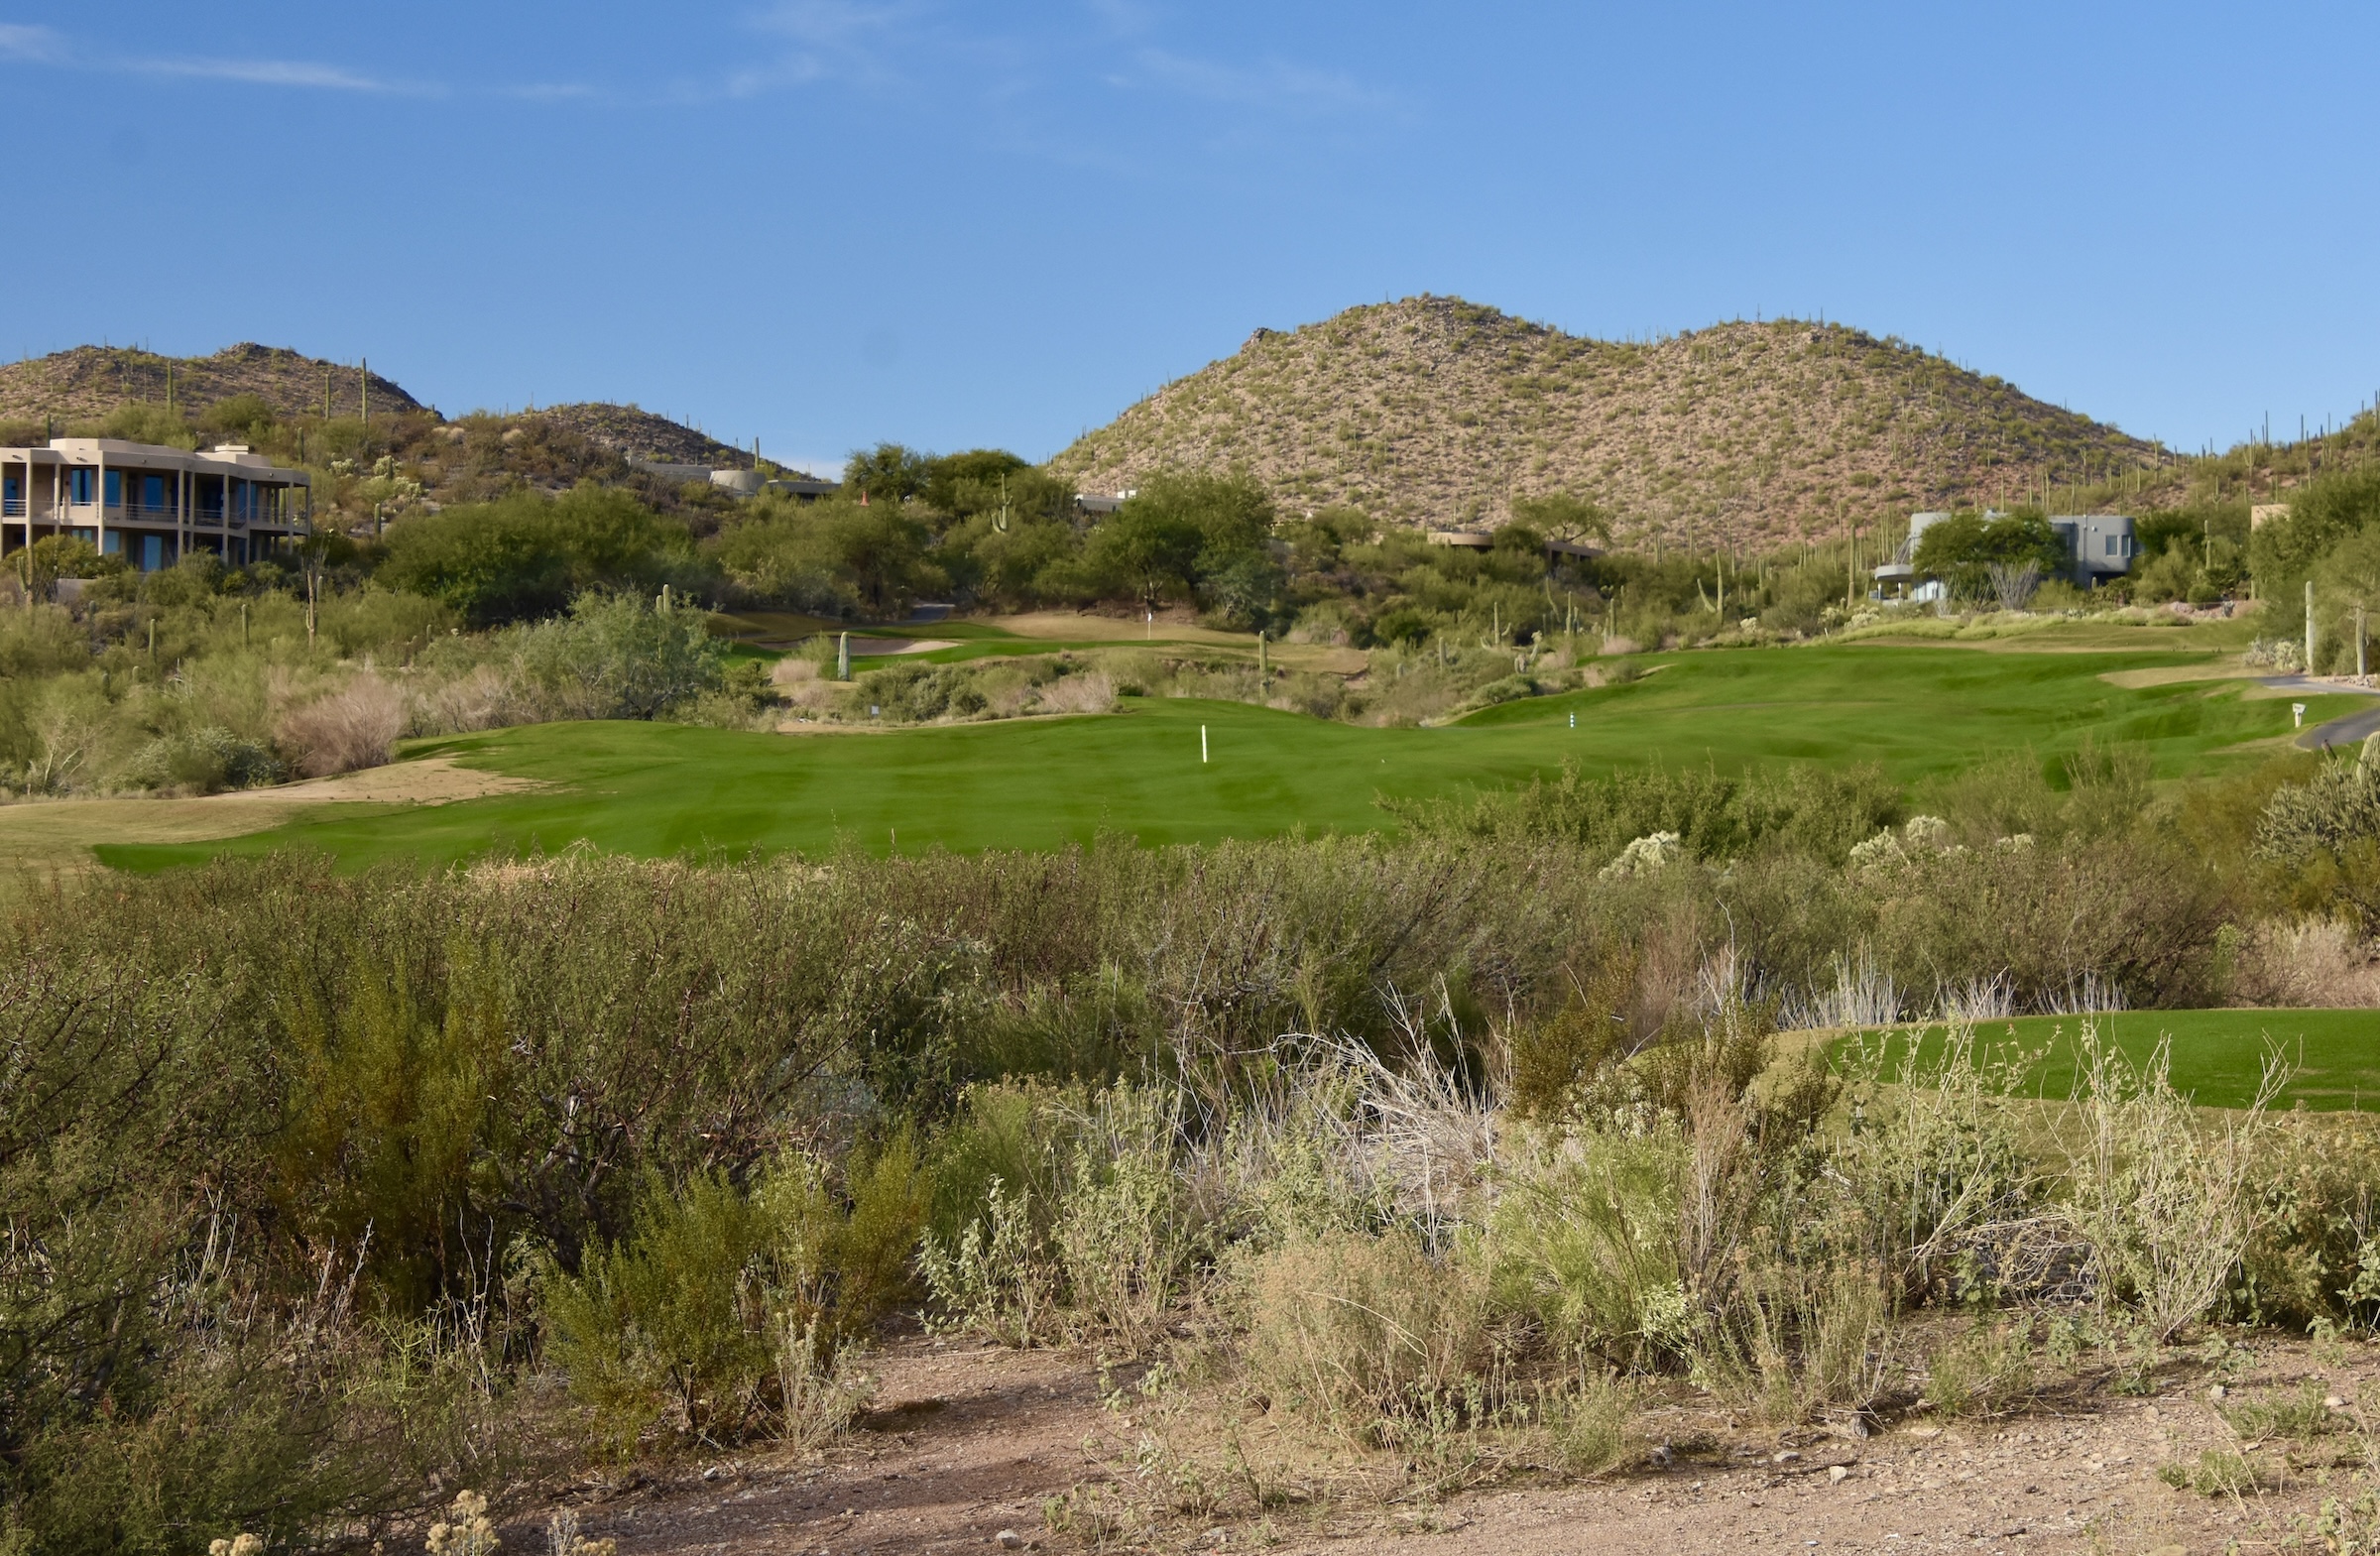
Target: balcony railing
<point x="159" y="515"/>
<point x="207" y="516"/>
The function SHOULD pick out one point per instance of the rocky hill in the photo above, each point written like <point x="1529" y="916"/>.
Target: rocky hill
<point x="635" y="434"/>
<point x="89" y="382"/>
<point x="1436" y="410"/>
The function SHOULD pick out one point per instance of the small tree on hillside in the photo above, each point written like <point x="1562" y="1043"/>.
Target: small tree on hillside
<point x="886" y="473"/>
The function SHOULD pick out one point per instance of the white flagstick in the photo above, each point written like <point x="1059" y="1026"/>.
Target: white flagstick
<point x="1202" y="743"/>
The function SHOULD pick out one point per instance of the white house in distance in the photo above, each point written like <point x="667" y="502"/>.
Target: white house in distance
<point x="148" y="504"/>
<point x="2098" y="546"/>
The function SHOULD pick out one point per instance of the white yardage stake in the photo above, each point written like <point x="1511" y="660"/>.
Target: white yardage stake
<point x="1202" y="743"/>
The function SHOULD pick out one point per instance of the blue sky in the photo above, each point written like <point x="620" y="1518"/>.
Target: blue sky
<point x="823" y="222"/>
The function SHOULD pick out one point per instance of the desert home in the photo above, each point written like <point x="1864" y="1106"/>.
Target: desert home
<point x="148" y="504"/>
<point x="2099" y="547"/>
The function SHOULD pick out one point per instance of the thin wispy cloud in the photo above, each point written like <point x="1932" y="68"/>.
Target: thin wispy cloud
<point x="1272" y="83"/>
<point x="40" y="45"/>
<point x="851" y="40"/>
<point x="264" y="72"/>
<point x="26" y="43"/>
<point x="830" y="24"/>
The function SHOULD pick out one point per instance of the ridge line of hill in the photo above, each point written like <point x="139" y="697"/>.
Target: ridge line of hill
<point x="1434" y="409"/>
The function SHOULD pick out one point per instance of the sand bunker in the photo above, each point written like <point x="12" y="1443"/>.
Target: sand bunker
<point x="51" y="833"/>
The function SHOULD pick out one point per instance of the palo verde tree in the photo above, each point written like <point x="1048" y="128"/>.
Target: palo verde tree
<point x="886" y="473"/>
<point x="1193" y="536"/>
<point x="525" y="556"/>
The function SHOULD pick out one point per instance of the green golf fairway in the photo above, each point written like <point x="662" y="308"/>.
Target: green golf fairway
<point x="2218" y="1056"/>
<point x="664" y="789"/>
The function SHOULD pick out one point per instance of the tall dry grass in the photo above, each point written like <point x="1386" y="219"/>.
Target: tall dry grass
<point x="351" y="728"/>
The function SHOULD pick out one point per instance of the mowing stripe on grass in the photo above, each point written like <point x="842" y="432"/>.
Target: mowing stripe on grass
<point x="658" y="788"/>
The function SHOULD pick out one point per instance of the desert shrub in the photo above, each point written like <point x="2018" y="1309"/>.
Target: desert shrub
<point x="1367" y="1334"/>
<point x="996" y="1276"/>
<point x="1984" y="1370"/>
<point x="1791" y="1336"/>
<point x="2164" y="1197"/>
<point x="202" y="761"/>
<point x="160" y="1380"/>
<point x="1123" y="1231"/>
<point x="1584" y="1238"/>
<point x="2220" y="1473"/>
<point x="2057" y="921"/>
<point x="1093" y="691"/>
<point x="54" y="733"/>
<point x="2311" y="1254"/>
<point x="1012" y="1132"/>
<point x="343" y="731"/>
<point x="1073" y="1220"/>
<point x="670" y="1327"/>
<point x="527" y="555"/>
<point x="1714" y="815"/>
<point x="1589" y="1421"/>
<point x="618" y="657"/>
<point x="41" y="639"/>
<point x="383" y="622"/>
<point x="2326" y="830"/>
<point x="1930" y="1148"/>
<point x="724" y="1311"/>
<point x="837" y="558"/>
<point x="1093" y="1026"/>
<point x="1297" y="1158"/>
<point x="2312" y="964"/>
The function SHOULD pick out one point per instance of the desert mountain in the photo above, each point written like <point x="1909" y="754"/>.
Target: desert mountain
<point x="89" y="382"/>
<point x="1436" y="410"/>
<point x="636" y="433"/>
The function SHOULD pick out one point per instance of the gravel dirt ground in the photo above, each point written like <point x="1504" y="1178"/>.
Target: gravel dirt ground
<point x="966" y="1441"/>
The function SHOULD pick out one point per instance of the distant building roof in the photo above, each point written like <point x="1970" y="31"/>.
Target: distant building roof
<point x="1485" y="539"/>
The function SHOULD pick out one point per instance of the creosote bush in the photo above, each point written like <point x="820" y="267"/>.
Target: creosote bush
<point x="727" y="1309"/>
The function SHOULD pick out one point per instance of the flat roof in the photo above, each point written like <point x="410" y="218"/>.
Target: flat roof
<point x="1485" y="539"/>
<point x="223" y="459"/>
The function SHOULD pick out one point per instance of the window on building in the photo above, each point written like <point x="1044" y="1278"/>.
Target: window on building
<point x="115" y="489"/>
<point x="153" y="493"/>
<point x="79" y="486"/>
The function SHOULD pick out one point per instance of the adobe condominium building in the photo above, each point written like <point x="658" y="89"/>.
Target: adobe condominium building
<point x="151" y="505"/>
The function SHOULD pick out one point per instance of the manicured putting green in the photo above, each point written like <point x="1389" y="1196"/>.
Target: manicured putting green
<point x="657" y="788"/>
<point x="2218" y="1056"/>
